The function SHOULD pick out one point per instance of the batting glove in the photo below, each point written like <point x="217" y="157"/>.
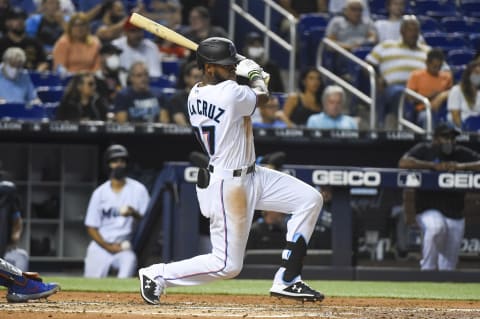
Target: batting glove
<point x="249" y="69"/>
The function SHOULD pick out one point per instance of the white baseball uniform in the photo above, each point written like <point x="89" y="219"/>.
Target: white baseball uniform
<point x="103" y="213"/>
<point x="220" y="116"/>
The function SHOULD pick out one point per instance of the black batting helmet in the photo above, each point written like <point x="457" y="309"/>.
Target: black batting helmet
<point x="217" y="50"/>
<point x="115" y="151"/>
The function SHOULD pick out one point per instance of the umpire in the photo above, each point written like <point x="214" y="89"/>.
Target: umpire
<point x="440" y="213"/>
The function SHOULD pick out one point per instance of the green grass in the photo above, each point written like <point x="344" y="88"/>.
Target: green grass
<point x="420" y="290"/>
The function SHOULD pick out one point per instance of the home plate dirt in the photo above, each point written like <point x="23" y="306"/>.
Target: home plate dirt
<point x="73" y="305"/>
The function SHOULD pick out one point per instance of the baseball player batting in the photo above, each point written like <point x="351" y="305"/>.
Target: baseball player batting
<point x="233" y="187"/>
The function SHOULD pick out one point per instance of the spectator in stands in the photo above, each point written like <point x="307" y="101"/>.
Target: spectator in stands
<point x="67" y="7"/>
<point x="300" y="105"/>
<point x="113" y="213"/>
<point x="77" y="49"/>
<point x="191" y="74"/>
<point x="337" y="7"/>
<point x="136" y="103"/>
<point x="439" y="213"/>
<point x="350" y="31"/>
<point x="16" y="37"/>
<point x="47" y="25"/>
<point x="333" y="102"/>
<point x="269" y="115"/>
<point x="393" y="62"/>
<point x="166" y="12"/>
<point x="432" y="83"/>
<point x="15" y="83"/>
<point x="112" y="22"/>
<point x="135" y="47"/>
<point x="80" y="101"/>
<point x="110" y="77"/>
<point x="464" y="97"/>
<point x="200" y="27"/>
<point x="11" y="233"/>
<point x="389" y="28"/>
<point x="255" y="50"/>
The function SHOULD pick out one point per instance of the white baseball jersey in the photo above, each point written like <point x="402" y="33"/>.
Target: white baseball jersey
<point x="103" y="210"/>
<point x="220" y="117"/>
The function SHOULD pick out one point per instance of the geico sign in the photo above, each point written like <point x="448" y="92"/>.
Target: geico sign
<point x="190" y="174"/>
<point x="346" y="178"/>
<point x="458" y="180"/>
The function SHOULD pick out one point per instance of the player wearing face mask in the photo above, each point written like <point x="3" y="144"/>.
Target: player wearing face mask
<point x="439" y="213"/>
<point x="15" y="83"/>
<point x="111" y="77"/>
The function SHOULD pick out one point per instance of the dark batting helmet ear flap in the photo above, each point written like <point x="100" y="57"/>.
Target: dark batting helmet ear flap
<point x="115" y="151"/>
<point x="217" y="50"/>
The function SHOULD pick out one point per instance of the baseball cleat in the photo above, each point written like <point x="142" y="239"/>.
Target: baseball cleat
<point x="150" y="288"/>
<point x="298" y="290"/>
<point x="30" y="289"/>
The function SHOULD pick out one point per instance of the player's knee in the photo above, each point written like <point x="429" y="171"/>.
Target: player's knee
<point x="315" y="201"/>
<point x="233" y="270"/>
<point x="434" y="231"/>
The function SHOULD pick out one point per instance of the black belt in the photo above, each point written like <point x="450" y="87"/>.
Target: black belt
<point x="236" y="172"/>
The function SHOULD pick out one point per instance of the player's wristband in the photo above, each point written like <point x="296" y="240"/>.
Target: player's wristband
<point x="254" y="74"/>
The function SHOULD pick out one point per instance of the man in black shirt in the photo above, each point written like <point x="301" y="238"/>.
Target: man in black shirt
<point x="15" y="36"/>
<point x="440" y="213"/>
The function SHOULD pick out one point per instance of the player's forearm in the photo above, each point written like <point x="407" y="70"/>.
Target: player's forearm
<point x="470" y="166"/>
<point x="412" y="163"/>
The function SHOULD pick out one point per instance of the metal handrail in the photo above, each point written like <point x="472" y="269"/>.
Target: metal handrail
<point x="266" y="29"/>
<point x="428" y="109"/>
<point x="370" y="100"/>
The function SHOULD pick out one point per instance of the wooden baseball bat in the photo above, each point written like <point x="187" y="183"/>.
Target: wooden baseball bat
<point x="162" y="31"/>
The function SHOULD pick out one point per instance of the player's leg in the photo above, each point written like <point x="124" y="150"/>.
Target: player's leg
<point x="228" y="205"/>
<point x="126" y="263"/>
<point x="434" y="230"/>
<point x="24" y="286"/>
<point x="97" y="261"/>
<point x="17" y="257"/>
<point x="448" y="257"/>
<point x="287" y="194"/>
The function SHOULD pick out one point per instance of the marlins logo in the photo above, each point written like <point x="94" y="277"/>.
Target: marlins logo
<point x="410" y="179"/>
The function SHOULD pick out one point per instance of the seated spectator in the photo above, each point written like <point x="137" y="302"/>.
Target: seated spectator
<point x="110" y="77"/>
<point x="300" y="105"/>
<point x="191" y="74"/>
<point x="464" y="97"/>
<point x="333" y="101"/>
<point x="47" y="25"/>
<point x="439" y="213"/>
<point x="15" y="83"/>
<point x="135" y="47"/>
<point x="393" y="62"/>
<point x="15" y="36"/>
<point x="110" y="26"/>
<point x="200" y="27"/>
<point x="389" y="28"/>
<point x="67" y="7"/>
<point x="337" y="7"/>
<point x="77" y="49"/>
<point x="80" y="101"/>
<point x="254" y="50"/>
<point x="136" y="103"/>
<point x="432" y="83"/>
<point x="269" y="115"/>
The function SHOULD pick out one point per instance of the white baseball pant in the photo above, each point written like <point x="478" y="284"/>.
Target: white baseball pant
<point x="98" y="262"/>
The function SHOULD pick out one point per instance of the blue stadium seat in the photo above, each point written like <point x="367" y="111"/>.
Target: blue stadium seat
<point x="460" y="24"/>
<point x="161" y="82"/>
<point x="309" y="21"/>
<point x="362" y="52"/>
<point x="281" y="96"/>
<point x="457" y="71"/>
<point x="475" y="41"/>
<point x="435" y="8"/>
<point x="20" y="111"/>
<point x="44" y="78"/>
<point x="470" y="8"/>
<point x="445" y="41"/>
<point x="471" y="123"/>
<point x="378" y="7"/>
<point x="429" y="24"/>
<point x="309" y="42"/>
<point x="50" y="94"/>
<point x="171" y="67"/>
<point x="460" y="57"/>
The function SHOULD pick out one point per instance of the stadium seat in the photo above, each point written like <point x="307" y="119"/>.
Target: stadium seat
<point x="460" y="24"/>
<point x="20" y="111"/>
<point x="460" y="57"/>
<point x="457" y="71"/>
<point x="171" y="67"/>
<point x="309" y="42"/>
<point x="446" y="41"/>
<point x="308" y="21"/>
<point x="162" y="81"/>
<point x="50" y="94"/>
<point x="281" y="96"/>
<point x="475" y="41"/>
<point x="362" y="52"/>
<point x="429" y="24"/>
<point x="44" y="78"/>
<point x="378" y="7"/>
<point x="435" y="8"/>
<point x="471" y="123"/>
<point x="470" y="8"/>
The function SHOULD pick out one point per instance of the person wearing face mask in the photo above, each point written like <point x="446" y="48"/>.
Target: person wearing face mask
<point x="464" y="98"/>
<point x="16" y="36"/>
<point x="113" y="213"/>
<point x="255" y="50"/>
<point x="439" y="213"/>
<point x="110" y="78"/>
<point x="15" y="84"/>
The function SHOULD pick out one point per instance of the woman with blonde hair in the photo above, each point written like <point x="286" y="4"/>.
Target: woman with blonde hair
<point x="77" y="49"/>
